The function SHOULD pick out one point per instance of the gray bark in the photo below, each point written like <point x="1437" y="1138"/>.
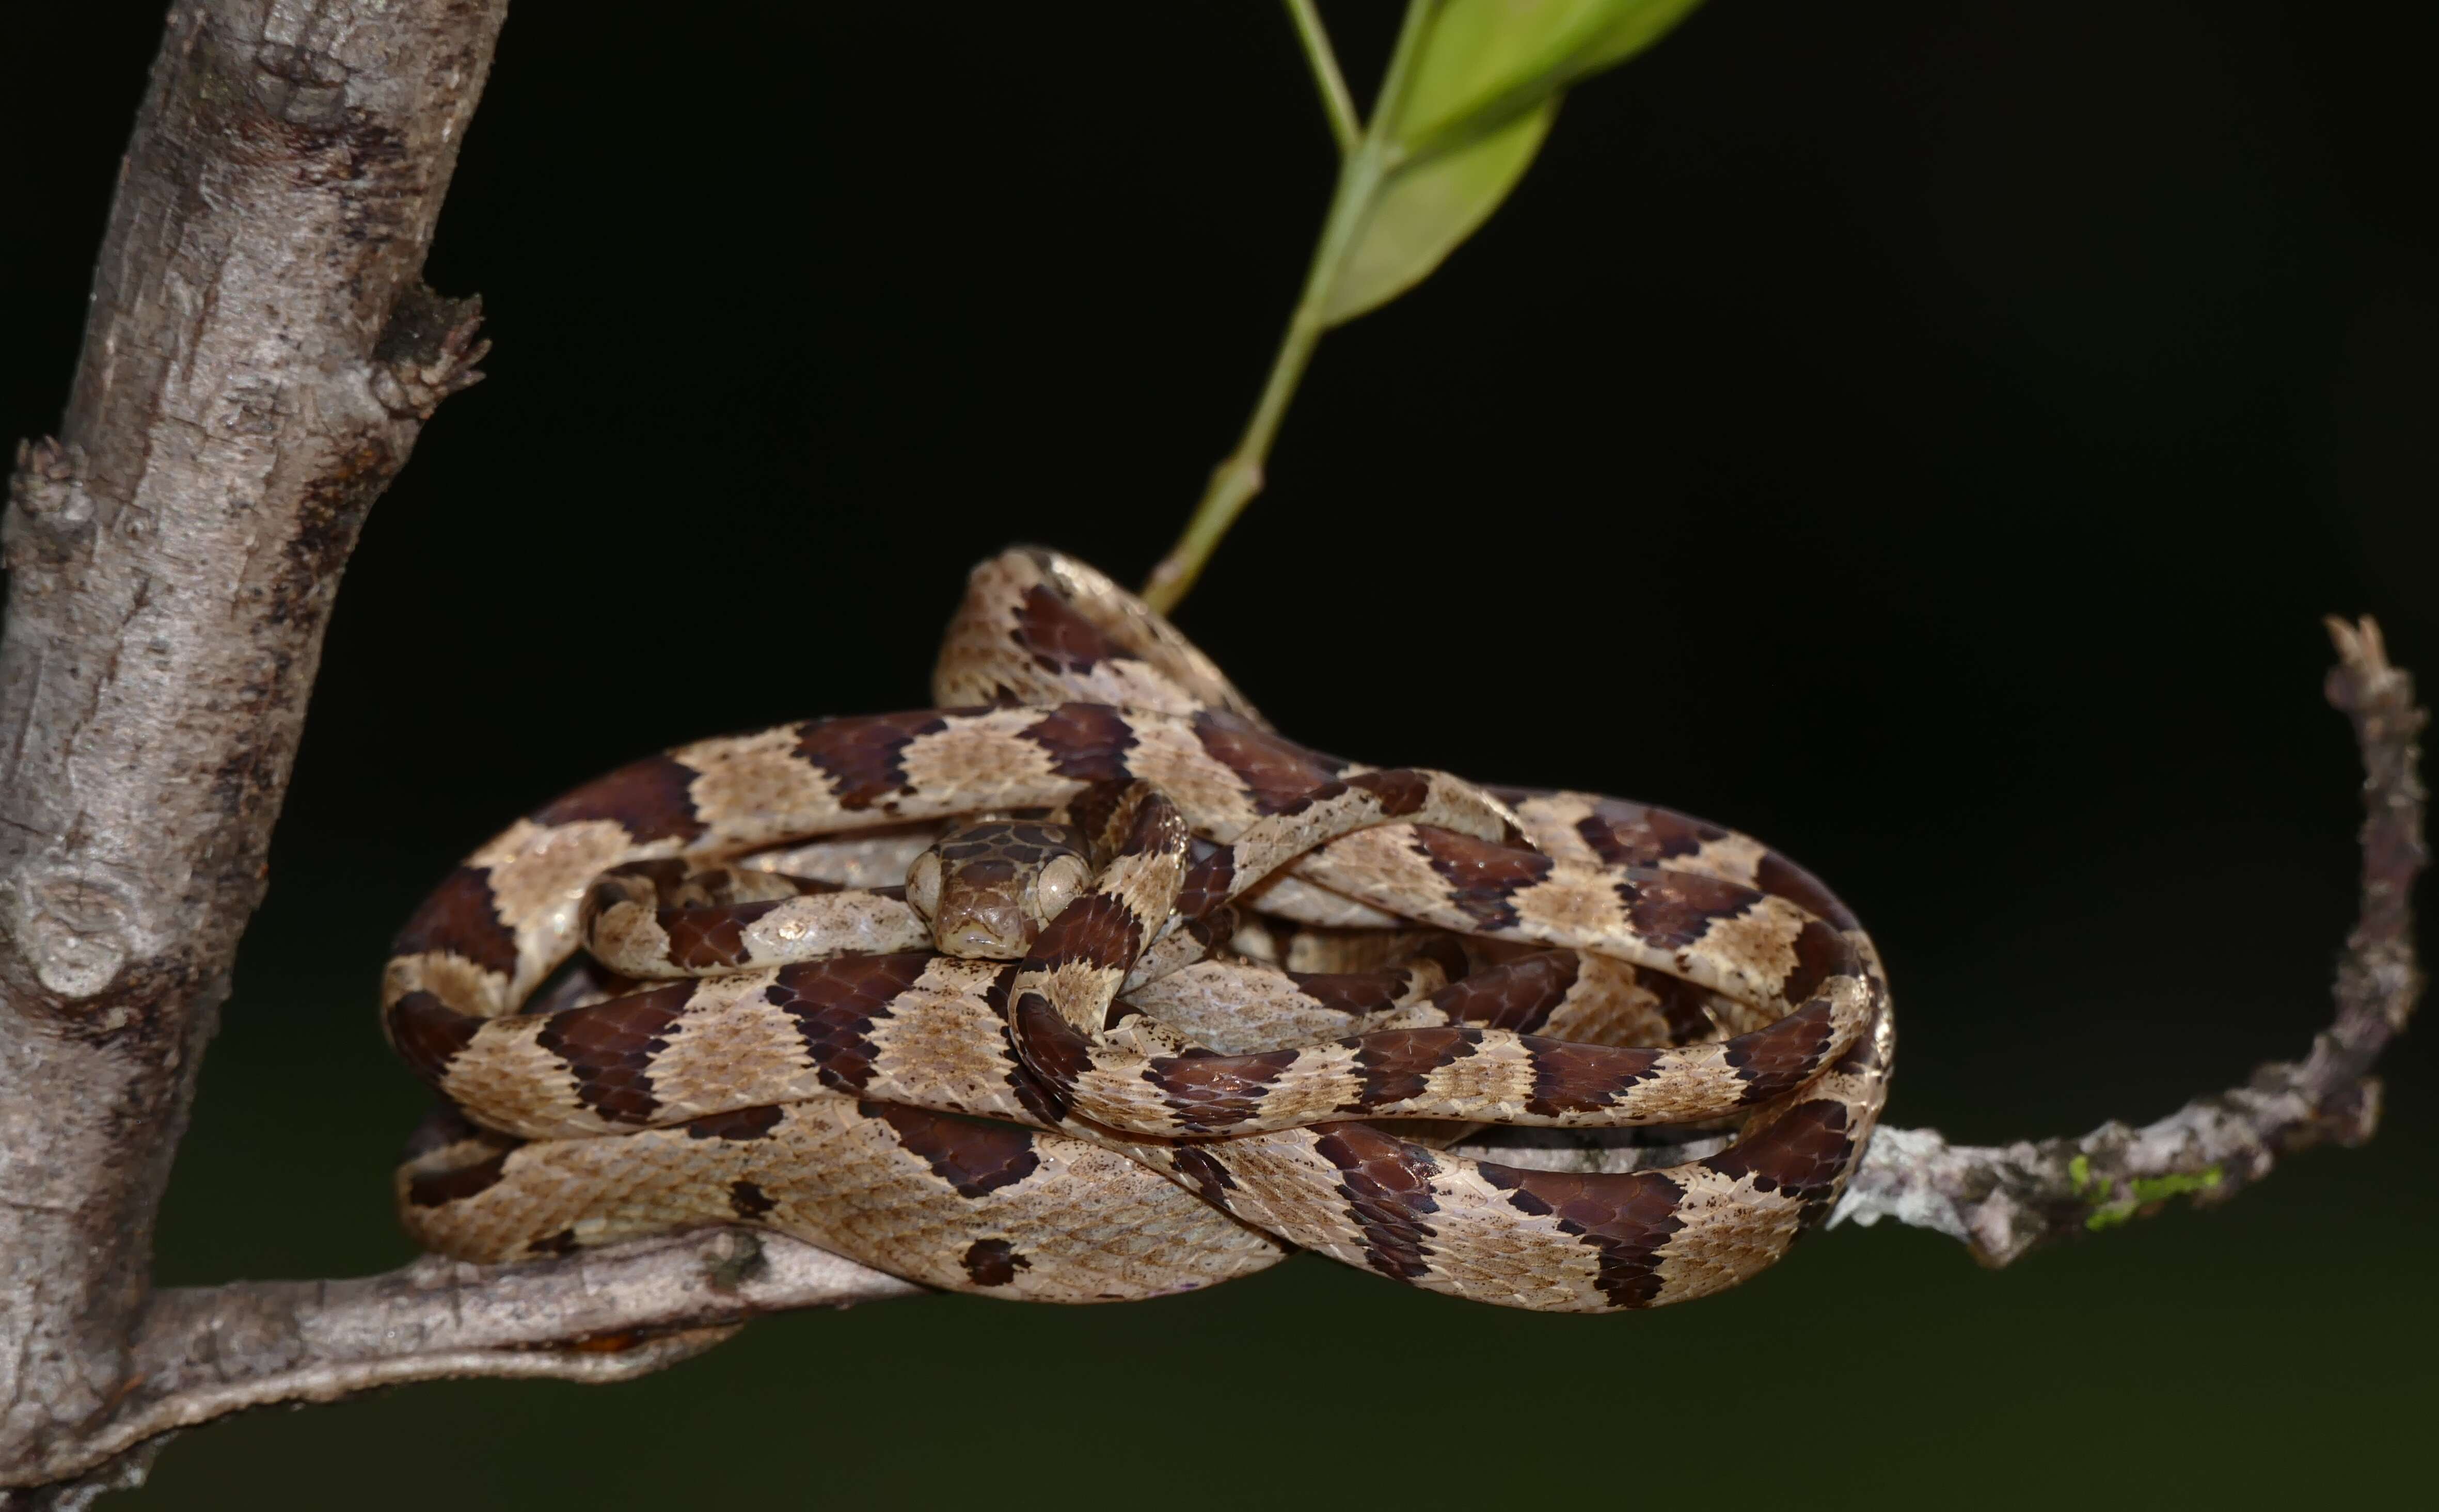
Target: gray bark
<point x="608" y="1315"/>
<point x="258" y="359"/>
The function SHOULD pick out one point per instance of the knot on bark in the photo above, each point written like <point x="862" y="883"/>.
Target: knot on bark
<point x="735" y="1259"/>
<point x="50" y="513"/>
<point x="299" y="85"/>
<point x="75" y="929"/>
<point x="426" y="352"/>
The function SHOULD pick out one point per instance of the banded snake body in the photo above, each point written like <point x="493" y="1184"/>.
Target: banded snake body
<point x="1268" y="991"/>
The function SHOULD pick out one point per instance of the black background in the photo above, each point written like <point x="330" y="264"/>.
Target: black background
<point x="1925" y="435"/>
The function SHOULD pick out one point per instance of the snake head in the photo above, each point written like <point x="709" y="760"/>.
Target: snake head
<point x="988" y="888"/>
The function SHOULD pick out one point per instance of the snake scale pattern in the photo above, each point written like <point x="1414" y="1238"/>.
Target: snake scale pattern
<point x="1258" y="998"/>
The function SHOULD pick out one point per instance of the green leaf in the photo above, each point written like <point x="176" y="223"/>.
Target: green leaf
<point x="1479" y="52"/>
<point x="1468" y="98"/>
<point x="1418" y="219"/>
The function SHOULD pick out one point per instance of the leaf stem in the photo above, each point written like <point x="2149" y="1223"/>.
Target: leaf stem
<point x="1239" y="477"/>
<point x="1345" y="125"/>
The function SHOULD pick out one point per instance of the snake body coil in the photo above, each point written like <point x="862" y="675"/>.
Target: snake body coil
<point x="1285" y="987"/>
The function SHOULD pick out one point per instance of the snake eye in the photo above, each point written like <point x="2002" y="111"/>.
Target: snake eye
<point x="923" y="885"/>
<point x="1056" y="887"/>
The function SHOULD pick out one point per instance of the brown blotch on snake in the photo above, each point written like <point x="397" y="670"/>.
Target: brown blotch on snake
<point x="652" y="799"/>
<point x="460" y="916"/>
<point x="1821" y="953"/>
<point x="705" y="939"/>
<point x="1803" y="1153"/>
<point x="1574" y="1078"/>
<point x="1060" y="639"/>
<point x="1634" y="834"/>
<point x="993" y="1262"/>
<point x="736" y="1124"/>
<point x="1782" y="878"/>
<point x="1626" y="1219"/>
<point x="1684" y="1007"/>
<point x="1783" y="1056"/>
<point x="1400" y="792"/>
<point x="427" y="1033"/>
<point x="1095" y="930"/>
<point x="1211" y="1180"/>
<point x="1674" y="909"/>
<point x="1519" y="995"/>
<point x="1055" y="1049"/>
<point x="1353" y="994"/>
<point x="609" y="1048"/>
<point x="1085" y="741"/>
<point x="970" y="1155"/>
<point x="836" y="1003"/>
<point x="864" y="757"/>
<point x="1672" y="835"/>
<point x="1481" y="876"/>
<point x="1398" y="1063"/>
<point x="1386" y="1184"/>
<point x="1276" y="773"/>
<point x="1207" y="880"/>
<point x="1213" y="1093"/>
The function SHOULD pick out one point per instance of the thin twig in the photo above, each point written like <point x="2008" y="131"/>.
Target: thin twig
<point x="2009" y="1201"/>
<point x="1345" y="126"/>
<point x="2006" y="1200"/>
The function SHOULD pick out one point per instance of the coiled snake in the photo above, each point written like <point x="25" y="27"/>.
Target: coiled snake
<point x="1259" y="993"/>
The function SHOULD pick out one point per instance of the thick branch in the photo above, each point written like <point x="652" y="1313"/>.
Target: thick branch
<point x="607" y="1315"/>
<point x="258" y="359"/>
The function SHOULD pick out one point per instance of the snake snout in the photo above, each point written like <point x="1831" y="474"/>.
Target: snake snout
<point x="983" y="945"/>
<point x="987" y="931"/>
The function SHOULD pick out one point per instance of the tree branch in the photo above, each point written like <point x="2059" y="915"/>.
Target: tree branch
<point x="2005" y="1201"/>
<point x="604" y="1315"/>
<point x="2008" y="1200"/>
<point x="616" y="1313"/>
<point x="258" y="359"/>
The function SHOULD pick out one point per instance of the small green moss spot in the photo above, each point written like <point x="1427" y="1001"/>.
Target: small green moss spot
<point x="2143" y="1192"/>
<point x="2160" y="1188"/>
